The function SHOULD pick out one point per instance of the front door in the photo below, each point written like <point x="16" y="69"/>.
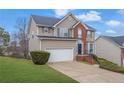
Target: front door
<point x="79" y="49"/>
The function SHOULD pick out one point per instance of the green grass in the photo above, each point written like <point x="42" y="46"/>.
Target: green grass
<point x="85" y="62"/>
<point x="105" y="64"/>
<point x="14" y="70"/>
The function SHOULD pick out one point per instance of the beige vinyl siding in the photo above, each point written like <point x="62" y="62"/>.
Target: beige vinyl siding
<point x="34" y="43"/>
<point x="33" y="27"/>
<point x="108" y="50"/>
<point x="69" y="22"/>
<point x="57" y="44"/>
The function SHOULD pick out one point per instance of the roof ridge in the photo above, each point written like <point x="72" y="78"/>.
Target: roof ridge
<point x="46" y="16"/>
<point x="115" y="39"/>
<point x="119" y="36"/>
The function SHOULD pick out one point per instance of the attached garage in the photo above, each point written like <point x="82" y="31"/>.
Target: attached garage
<point x="60" y="50"/>
<point x="58" y="54"/>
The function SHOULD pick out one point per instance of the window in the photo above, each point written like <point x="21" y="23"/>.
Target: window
<point x="79" y="33"/>
<point x="90" y="34"/>
<point x="90" y="48"/>
<point x="40" y="30"/>
<point x="46" y="29"/>
<point x="63" y="32"/>
<point x="49" y="30"/>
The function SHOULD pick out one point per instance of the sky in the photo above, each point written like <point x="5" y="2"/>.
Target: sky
<point x="108" y="22"/>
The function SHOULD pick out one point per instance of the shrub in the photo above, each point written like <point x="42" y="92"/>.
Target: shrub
<point x="39" y="57"/>
<point x="105" y="64"/>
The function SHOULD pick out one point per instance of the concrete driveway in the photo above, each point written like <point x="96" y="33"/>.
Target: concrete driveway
<point x="85" y="73"/>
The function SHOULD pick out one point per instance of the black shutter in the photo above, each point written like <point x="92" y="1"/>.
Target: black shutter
<point x="58" y="31"/>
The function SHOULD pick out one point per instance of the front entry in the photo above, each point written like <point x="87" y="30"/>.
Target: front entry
<point x="79" y="49"/>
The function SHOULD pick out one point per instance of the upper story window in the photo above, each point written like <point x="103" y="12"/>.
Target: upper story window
<point x="63" y="32"/>
<point x="79" y="33"/>
<point x="40" y="30"/>
<point x="90" y="34"/>
<point x="44" y="30"/>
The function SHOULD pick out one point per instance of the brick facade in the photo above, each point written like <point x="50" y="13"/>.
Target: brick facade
<point x="84" y="35"/>
<point x="86" y="58"/>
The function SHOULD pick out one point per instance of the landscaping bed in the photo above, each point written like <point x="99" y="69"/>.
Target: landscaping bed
<point x="105" y="64"/>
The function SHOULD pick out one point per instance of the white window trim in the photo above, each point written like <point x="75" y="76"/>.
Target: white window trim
<point x="77" y="46"/>
<point x="88" y="47"/>
<point x="46" y="28"/>
<point x="79" y="33"/>
<point x="62" y="31"/>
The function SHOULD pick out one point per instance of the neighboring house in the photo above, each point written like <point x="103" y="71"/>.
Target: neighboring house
<point x="64" y="38"/>
<point x="111" y="48"/>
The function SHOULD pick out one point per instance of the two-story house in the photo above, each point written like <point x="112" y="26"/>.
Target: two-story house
<point x="65" y="38"/>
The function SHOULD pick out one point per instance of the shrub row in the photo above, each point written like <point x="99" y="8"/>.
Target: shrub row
<point x="105" y="64"/>
<point x="119" y="69"/>
<point x="39" y="57"/>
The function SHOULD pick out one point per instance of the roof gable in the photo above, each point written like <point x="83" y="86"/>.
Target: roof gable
<point x="65" y="17"/>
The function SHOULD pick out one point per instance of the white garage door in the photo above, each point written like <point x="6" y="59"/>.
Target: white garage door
<point x="58" y="55"/>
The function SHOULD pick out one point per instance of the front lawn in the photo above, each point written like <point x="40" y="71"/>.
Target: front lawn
<point x="24" y="71"/>
<point x="105" y="64"/>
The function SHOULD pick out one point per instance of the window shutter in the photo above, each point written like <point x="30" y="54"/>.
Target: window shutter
<point x="69" y="32"/>
<point x="42" y="29"/>
<point x="58" y="31"/>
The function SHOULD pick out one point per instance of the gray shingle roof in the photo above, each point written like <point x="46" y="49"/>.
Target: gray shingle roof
<point x="45" y="21"/>
<point x="90" y="28"/>
<point x="50" y="21"/>
<point x="118" y="40"/>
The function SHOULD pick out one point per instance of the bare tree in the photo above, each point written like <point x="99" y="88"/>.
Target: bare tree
<point x="14" y="42"/>
<point x="21" y="25"/>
